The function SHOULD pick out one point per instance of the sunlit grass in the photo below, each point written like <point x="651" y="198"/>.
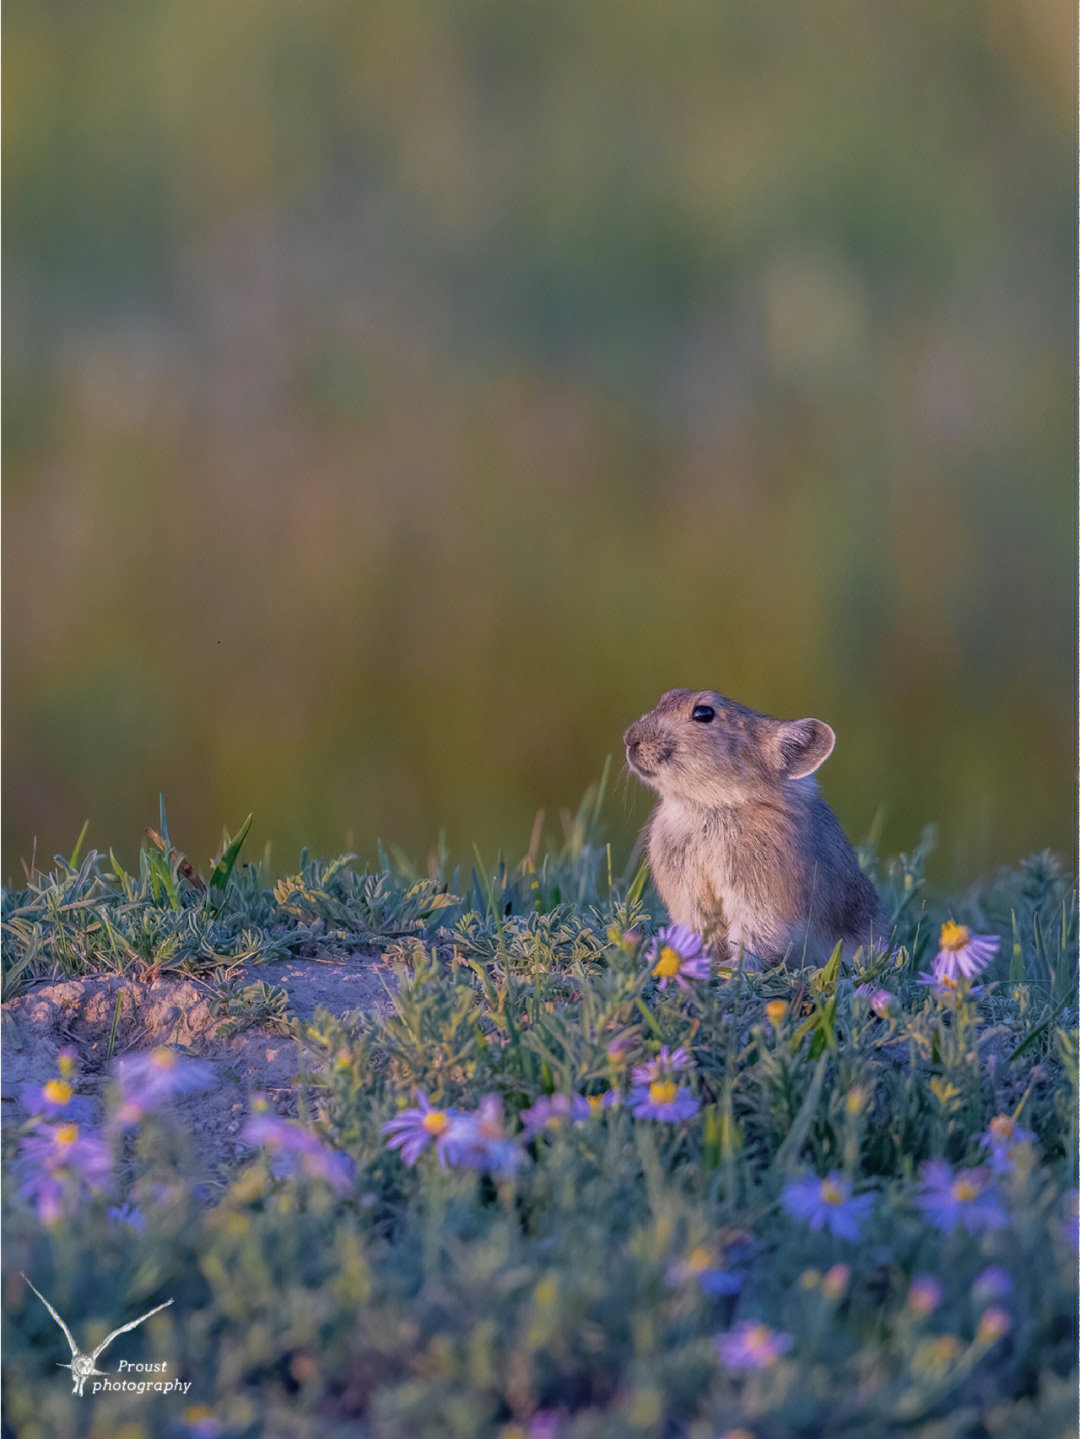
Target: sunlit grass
<point x="543" y="1195"/>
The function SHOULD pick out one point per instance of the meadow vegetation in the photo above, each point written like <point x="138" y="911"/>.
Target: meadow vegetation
<point x="567" y="1186"/>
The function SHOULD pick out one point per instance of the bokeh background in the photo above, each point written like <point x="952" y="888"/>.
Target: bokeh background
<point x="399" y="396"/>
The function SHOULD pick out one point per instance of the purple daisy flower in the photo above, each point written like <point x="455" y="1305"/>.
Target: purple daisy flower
<point x="480" y="1140"/>
<point x="297" y="1148"/>
<point x="128" y="1214"/>
<point x="55" y="1097"/>
<point x="963" y="955"/>
<point x="153" y="1078"/>
<point x="882" y="1001"/>
<point x="1002" y="1136"/>
<point x="946" y="984"/>
<point x="201" y="1423"/>
<point x="662" y="1066"/>
<point x="705" y="1266"/>
<point x="720" y="1283"/>
<point x="751" y="1345"/>
<point x="965" y="1197"/>
<point x="62" y="1146"/>
<point x="413" y="1129"/>
<point x="678" y="954"/>
<point x="46" y="1192"/>
<point x="620" y="1048"/>
<point x="56" y="1159"/>
<point x="554" y="1111"/>
<point x="828" y="1204"/>
<point x="663" y="1099"/>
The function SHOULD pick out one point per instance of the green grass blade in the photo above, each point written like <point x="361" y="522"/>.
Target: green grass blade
<point x="224" y="867"/>
<point x="79" y="844"/>
<point x="793" y="1142"/>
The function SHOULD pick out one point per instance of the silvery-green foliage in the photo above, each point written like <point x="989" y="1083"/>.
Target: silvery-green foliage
<point x="364" y="906"/>
<point x="442" y="1300"/>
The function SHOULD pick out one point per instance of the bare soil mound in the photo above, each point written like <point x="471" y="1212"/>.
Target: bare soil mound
<point x="249" y="1055"/>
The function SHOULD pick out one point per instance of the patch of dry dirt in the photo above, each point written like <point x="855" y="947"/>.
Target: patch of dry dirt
<point x="80" y="1013"/>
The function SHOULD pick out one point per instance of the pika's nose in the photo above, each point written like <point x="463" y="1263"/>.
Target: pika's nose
<point x="632" y="735"/>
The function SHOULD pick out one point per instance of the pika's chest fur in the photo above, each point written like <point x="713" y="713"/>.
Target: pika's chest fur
<point x="723" y="871"/>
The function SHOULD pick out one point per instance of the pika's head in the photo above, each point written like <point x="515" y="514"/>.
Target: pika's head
<point x="700" y="748"/>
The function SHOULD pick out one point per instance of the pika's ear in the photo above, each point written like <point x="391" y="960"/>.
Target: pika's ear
<point x="801" y="746"/>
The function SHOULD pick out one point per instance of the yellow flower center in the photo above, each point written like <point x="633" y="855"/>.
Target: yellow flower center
<point x="595" y="1102"/>
<point x="964" y="1190"/>
<point x="1002" y="1127"/>
<point x="831" y="1193"/>
<point x="163" y="1058"/>
<point x="948" y="982"/>
<point x="662" y="1091"/>
<point x="57" y="1091"/>
<point x="668" y="964"/>
<point x="776" y="1009"/>
<point x="699" y="1260"/>
<point x="67" y="1134"/>
<point x="954" y="936"/>
<point x="65" y="1064"/>
<point x="434" y="1122"/>
<point x="855" y="1100"/>
<point x="757" y="1339"/>
<point x="944" y="1348"/>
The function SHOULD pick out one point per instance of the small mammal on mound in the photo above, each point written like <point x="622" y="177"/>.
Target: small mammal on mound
<point x="742" y="847"/>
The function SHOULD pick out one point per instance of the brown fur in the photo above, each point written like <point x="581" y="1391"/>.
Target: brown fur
<point x="742" y="847"/>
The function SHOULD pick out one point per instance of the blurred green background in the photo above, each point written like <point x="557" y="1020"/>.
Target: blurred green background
<point x="399" y="396"/>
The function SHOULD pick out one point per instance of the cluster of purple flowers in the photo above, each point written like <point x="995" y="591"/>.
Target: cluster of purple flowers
<point x="474" y="1138"/>
<point x="62" y="1166"/>
<point x="1003" y="1137"/>
<point x="61" y="1161"/>
<point x="296" y="1149"/>
<point x="554" y="1111"/>
<point x="478" y="1138"/>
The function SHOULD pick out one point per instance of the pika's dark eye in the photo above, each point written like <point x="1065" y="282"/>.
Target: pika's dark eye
<point x="704" y="714"/>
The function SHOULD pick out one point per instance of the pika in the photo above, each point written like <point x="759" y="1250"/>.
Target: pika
<point x="742" y="847"/>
